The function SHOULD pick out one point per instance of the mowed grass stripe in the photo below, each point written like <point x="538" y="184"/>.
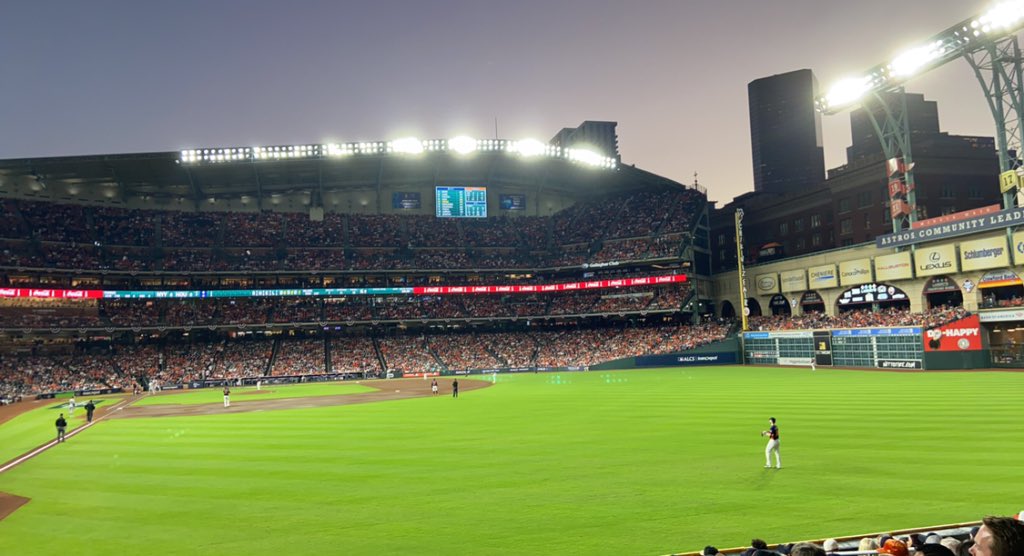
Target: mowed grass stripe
<point x="641" y="462"/>
<point x="36" y="427"/>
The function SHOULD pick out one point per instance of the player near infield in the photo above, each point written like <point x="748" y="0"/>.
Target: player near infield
<point x="773" y="445"/>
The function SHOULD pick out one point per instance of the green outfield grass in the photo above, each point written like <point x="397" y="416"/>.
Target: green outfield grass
<point x="637" y="462"/>
<point x="249" y="393"/>
<point x="34" y="428"/>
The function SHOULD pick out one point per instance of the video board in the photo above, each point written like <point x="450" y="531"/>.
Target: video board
<point x="461" y="202"/>
<point x="405" y="200"/>
<point x="512" y="202"/>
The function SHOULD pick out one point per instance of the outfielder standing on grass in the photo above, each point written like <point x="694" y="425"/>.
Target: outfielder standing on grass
<point x="773" y="445"/>
<point x="455" y="388"/>
<point x="227" y="395"/>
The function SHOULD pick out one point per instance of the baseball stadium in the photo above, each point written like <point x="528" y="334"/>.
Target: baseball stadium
<point x="516" y="346"/>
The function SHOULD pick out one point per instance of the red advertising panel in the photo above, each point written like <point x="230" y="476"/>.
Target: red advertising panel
<point x="957" y="216"/>
<point x="960" y="335"/>
<point x="571" y="286"/>
<point x="422" y="290"/>
<point x="51" y="294"/>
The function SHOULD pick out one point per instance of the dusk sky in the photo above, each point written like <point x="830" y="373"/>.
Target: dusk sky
<point x="117" y="77"/>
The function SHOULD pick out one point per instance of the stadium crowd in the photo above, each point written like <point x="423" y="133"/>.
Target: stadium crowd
<point x="860" y="318"/>
<point x="182" y="362"/>
<point x="996" y="536"/>
<point x="354" y="355"/>
<point x="299" y="357"/>
<point x="134" y="313"/>
<point x="636" y="226"/>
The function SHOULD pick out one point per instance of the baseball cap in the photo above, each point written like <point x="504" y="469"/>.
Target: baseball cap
<point x="710" y="550"/>
<point x="894" y="547"/>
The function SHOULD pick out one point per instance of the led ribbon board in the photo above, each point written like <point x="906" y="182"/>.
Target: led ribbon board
<point x="333" y="292"/>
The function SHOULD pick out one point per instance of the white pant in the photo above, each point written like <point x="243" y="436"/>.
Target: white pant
<point x="227" y="401"/>
<point x="773" y="446"/>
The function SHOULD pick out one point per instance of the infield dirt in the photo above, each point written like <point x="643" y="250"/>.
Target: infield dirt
<point x="387" y="390"/>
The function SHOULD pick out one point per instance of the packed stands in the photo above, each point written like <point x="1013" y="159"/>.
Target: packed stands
<point x="408" y="354"/>
<point x="136" y="313"/>
<point x="354" y="355"/>
<point x="632" y="226"/>
<point x="565" y="346"/>
<point x="299" y="357"/>
<point x="464" y="351"/>
<point x="863" y="318"/>
<point x="245" y="359"/>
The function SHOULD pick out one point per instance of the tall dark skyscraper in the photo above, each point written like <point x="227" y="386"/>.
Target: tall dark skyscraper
<point x="922" y="116"/>
<point x="785" y="133"/>
<point x="590" y="134"/>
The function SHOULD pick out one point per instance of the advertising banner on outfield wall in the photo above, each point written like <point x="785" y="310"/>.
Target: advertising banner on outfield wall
<point x="852" y="273"/>
<point x="908" y="331"/>
<point x="796" y="361"/>
<point x="897" y="266"/>
<point x="898" y="363"/>
<point x="959" y="335"/>
<point x="936" y="259"/>
<point x="824" y="276"/>
<point x="687" y="360"/>
<point x="778" y="334"/>
<point x="794" y="281"/>
<point x="980" y="254"/>
<point x="766" y="283"/>
<point x="1018" y="248"/>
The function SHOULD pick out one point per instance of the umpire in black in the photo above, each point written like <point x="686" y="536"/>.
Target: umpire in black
<point x="62" y="426"/>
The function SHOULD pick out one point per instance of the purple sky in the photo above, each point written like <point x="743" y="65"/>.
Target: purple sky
<point x="115" y="77"/>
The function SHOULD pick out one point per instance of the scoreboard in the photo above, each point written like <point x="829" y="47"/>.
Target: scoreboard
<point x="880" y="348"/>
<point x="461" y="202"/>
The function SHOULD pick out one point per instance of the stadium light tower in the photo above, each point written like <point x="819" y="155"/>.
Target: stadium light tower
<point x="988" y="42"/>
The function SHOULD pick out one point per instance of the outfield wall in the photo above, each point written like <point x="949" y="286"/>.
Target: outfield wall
<point x="955" y="345"/>
<point x="725" y="352"/>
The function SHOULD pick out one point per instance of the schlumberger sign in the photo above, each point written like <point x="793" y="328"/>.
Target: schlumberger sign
<point x="986" y="222"/>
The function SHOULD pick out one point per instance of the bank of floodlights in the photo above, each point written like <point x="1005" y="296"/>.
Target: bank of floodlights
<point x="410" y="146"/>
<point x="462" y="144"/>
<point x="1000" y="20"/>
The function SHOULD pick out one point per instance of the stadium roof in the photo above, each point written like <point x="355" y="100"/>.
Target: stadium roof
<point x="127" y="178"/>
